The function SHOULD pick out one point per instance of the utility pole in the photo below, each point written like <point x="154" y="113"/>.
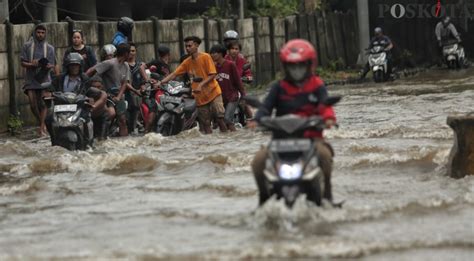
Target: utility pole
<point x="50" y="12"/>
<point x="241" y="9"/>
<point x="364" y="30"/>
<point x="4" y="11"/>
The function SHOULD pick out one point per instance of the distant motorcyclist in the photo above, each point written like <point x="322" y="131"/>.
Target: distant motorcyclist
<point x="380" y="39"/>
<point x="124" y="31"/>
<point x="446" y="31"/>
<point x="75" y="81"/>
<point x="299" y="93"/>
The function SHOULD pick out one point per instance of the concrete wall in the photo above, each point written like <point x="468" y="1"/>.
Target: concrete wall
<point x="334" y="36"/>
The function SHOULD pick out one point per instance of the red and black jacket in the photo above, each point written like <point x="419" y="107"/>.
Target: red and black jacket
<point x="288" y="98"/>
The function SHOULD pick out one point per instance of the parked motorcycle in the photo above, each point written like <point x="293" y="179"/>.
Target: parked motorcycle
<point x="71" y="125"/>
<point x="292" y="165"/>
<point x="177" y="110"/>
<point x="454" y="55"/>
<point x="379" y="63"/>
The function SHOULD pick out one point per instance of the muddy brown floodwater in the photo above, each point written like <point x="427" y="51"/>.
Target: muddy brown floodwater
<point x="193" y="196"/>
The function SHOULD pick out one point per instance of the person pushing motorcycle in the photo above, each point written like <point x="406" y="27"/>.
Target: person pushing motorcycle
<point x="302" y="93"/>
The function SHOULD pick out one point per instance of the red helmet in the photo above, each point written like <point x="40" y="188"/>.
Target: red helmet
<point x="297" y="51"/>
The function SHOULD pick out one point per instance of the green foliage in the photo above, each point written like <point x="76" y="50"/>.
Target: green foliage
<point x="218" y="12"/>
<point x="15" y="124"/>
<point x="275" y="8"/>
<point x="336" y="65"/>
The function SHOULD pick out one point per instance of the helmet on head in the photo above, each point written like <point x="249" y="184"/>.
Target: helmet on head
<point x="446" y="20"/>
<point x="231" y="35"/>
<point x="125" y="25"/>
<point x="378" y="31"/>
<point x="107" y="50"/>
<point x="298" y="57"/>
<point x="74" y="58"/>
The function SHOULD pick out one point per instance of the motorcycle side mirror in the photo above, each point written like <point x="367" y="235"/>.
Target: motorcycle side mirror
<point x="253" y="101"/>
<point x="330" y="101"/>
<point x="197" y="79"/>
<point x="246" y="67"/>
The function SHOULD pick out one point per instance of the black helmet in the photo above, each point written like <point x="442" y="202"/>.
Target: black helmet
<point x="74" y="58"/>
<point x="125" y="25"/>
<point x="231" y="35"/>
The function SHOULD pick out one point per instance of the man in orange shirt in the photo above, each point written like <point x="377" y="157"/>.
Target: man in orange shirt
<point x="207" y="93"/>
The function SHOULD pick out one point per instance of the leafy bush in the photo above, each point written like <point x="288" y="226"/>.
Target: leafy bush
<point x="14" y="124"/>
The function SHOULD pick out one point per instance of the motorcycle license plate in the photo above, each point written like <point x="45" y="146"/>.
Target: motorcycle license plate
<point x="171" y="99"/>
<point x="290" y="145"/>
<point x="65" y="108"/>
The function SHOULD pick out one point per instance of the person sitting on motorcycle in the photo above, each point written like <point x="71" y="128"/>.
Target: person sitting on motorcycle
<point x="207" y="92"/>
<point x="234" y="55"/>
<point x="116" y="77"/>
<point x="133" y="96"/>
<point x="230" y="36"/>
<point x="96" y="82"/>
<point x="150" y="102"/>
<point x="124" y="31"/>
<point x="298" y="93"/>
<point x="162" y="64"/>
<point x="74" y="80"/>
<point x="230" y="83"/>
<point x="446" y="31"/>
<point x="380" y="40"/>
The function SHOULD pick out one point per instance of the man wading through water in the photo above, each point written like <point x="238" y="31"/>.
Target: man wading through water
<point x="38" y="58"/>
<point x="207" y="93"/>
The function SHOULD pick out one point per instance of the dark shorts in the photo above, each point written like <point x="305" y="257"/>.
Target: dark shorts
<point x="214" y="109"/>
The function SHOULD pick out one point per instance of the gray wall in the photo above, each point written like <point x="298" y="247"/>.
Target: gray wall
<point x="333" y="34"/>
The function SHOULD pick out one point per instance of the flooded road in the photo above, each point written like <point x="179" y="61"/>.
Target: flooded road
<point x="193" y="196"/>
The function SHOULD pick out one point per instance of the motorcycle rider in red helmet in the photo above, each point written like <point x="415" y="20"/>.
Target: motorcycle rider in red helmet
<point x="299" y="93"/>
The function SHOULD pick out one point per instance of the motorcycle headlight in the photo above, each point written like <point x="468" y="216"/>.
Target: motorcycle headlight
<point x="290" y="171"/>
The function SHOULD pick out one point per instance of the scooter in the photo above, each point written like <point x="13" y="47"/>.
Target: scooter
<point x="454" y="55"/>
<point x="71" y="125"/>
<point x="177" y="110"/>
<point x="378" y="63"/>
<point x="292" y="165"/>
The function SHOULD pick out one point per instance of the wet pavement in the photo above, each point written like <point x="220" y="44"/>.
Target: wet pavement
<point x="193" y="196"/>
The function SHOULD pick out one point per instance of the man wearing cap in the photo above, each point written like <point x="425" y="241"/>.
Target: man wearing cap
<point x="38" y="59"/>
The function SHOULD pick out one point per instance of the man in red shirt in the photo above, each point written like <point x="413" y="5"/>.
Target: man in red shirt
<point x="230" y="82"/>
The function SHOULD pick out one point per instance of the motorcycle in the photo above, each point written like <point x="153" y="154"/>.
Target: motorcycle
<point x="71" y="124"/>
<point x="378" y="63"/>
<point x="453" y="55"/>
<point x="177" y="110"/>
<point x="292" y="165"/>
